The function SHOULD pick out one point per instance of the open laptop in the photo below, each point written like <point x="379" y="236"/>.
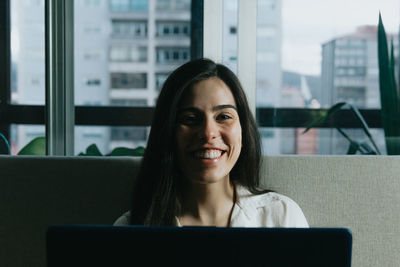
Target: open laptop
<point x="78" y="245"/>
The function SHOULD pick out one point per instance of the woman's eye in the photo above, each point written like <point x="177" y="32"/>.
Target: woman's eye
<point x="224" y="117"/>
<point x="188" y="119"/>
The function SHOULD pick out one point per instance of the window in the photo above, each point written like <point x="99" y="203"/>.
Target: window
<point x="160" y="79"/>
<point x="93" y="82"/>
<point x="172" y="55"/>
<point x="128" y="53"/>
<point x="128" y="80"/>
<point x="172" y="5"/>
<point x="128" y="5"/>
<point x="173" y="29"/>
<point x="129" y="29"/>
<point x="129" y="102"/>
<point x="297" y="59"/>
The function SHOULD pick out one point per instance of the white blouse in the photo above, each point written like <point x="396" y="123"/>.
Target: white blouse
<point x="265" y="210"/>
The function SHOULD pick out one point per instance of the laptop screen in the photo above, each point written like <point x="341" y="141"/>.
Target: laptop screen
<point x="78" y="245"/>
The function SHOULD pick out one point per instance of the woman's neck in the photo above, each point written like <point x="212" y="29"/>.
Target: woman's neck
<point x="208" y="204"/>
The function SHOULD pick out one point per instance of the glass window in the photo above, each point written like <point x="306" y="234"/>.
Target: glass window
<point x="131" y="53"/>
<point x="173" y="29"/>
<point x="27" y="52"/>
<point x="160" y="79"/>
<point x="128" y="5"/>
<point x="129" y="29"/>
<point x="301" y="64"/>
<point x="21" y="135"/>
<point x="128" y="80"/>
<point x="173" y="5"/>
<point x="168" y="55"/>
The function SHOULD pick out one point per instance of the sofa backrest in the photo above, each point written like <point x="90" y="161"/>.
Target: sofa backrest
<point x="36" y="192"/>
<point x="357" y="192"/>
<point x="361" y="193"/>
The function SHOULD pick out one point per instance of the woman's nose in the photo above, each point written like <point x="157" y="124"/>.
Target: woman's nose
<point x="209" y="130"/>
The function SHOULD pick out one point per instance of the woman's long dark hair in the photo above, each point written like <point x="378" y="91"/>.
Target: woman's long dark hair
<point x="155" y="195"/>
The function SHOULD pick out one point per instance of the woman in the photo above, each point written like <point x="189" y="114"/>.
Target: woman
<point x="202" y="162"/>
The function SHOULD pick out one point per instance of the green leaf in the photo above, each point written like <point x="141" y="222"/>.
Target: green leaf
<point x="91" y="150"/>
<point x="4" y="145"/>
<point x="124" y="151"/>
<point x="35" y="147"/>
<point x="390" y="110"/>
<point x="364" y="126"/>
<point x="352" y="150"/>
<point x="367" y="149"/>
<point x="329" y="113"/>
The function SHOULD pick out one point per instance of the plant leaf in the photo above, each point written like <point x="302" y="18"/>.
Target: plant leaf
<point x="91" y="150"/>
<point x="4" y="145"/>
<point x="390" y="112"/>
<point x="330" y="112"/>
<point x="364" y="126"/>
<point x="124" y="151"/>
<point x="353" y="147"/>
<point x="35" y="147"/>
<point x="367" y="149"/>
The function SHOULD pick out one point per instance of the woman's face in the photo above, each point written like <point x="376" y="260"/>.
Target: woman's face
<point x="209" y="134"/>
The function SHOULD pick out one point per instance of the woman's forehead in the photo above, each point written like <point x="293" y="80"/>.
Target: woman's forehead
<point x="211" y="92"/>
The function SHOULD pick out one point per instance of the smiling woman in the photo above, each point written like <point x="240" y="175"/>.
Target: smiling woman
<point x="202" y="162"/>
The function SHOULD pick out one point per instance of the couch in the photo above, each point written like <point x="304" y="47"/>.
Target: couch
<point x="361" y="193"/>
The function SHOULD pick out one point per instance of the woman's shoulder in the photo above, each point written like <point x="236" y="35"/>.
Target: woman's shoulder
<point x="273" y="205"/>
<point x="123" y="220"/>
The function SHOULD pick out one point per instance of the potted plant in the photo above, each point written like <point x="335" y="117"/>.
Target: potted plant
<point x="390" y="105"/>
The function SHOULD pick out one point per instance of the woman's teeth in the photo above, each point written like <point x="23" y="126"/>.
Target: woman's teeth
<point x="208" y="154"/>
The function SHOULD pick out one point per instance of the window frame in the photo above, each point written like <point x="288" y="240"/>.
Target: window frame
<point x="142" y="116"/>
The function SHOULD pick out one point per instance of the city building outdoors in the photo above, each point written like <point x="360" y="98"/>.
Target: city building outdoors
<point x="125" y="49"/>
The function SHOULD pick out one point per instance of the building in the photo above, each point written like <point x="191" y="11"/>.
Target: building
<point x="269" y="42"/>
<point x="124" y="50"/>
<point x="350" y="73"/>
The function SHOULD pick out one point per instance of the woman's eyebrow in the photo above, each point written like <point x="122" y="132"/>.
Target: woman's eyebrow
<point x="216" y="108"/>
<point x="219" y="107"/>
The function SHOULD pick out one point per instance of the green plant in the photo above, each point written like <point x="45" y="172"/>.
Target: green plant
<point x="93" y="150"/>
<point x="390" y="101"/>
<point x="4" y="146"/>
<point x="37" y="147"/>
<point x="354" y="146"/>
<point x="390" y="105"/>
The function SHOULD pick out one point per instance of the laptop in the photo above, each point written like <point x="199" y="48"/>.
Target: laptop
<point x="89" y="245"/>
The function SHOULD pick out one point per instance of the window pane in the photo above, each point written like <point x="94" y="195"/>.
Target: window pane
<point x="315" y="141"/>
<point x="27" y="52"/>
<point x="21" y="135"/>
<point x="124" y="50"/>
<point x="108" y="138"/>
<point x="304" y="64"/>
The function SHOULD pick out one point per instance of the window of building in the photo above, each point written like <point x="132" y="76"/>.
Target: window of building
<point x="129" y="102"/>
<point x="128" y="5"/>
<point x="128" y="53"/>
<point x="173" y="5"/>
<point x="121" y="80"/>
<point x="165" y="29"/>
<point x="125" y="133"/>
<point x="93" y="82"/>
<point x="129" y="29"/>
<point x="160" y="79"/>
<point x="172" y="55"/>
